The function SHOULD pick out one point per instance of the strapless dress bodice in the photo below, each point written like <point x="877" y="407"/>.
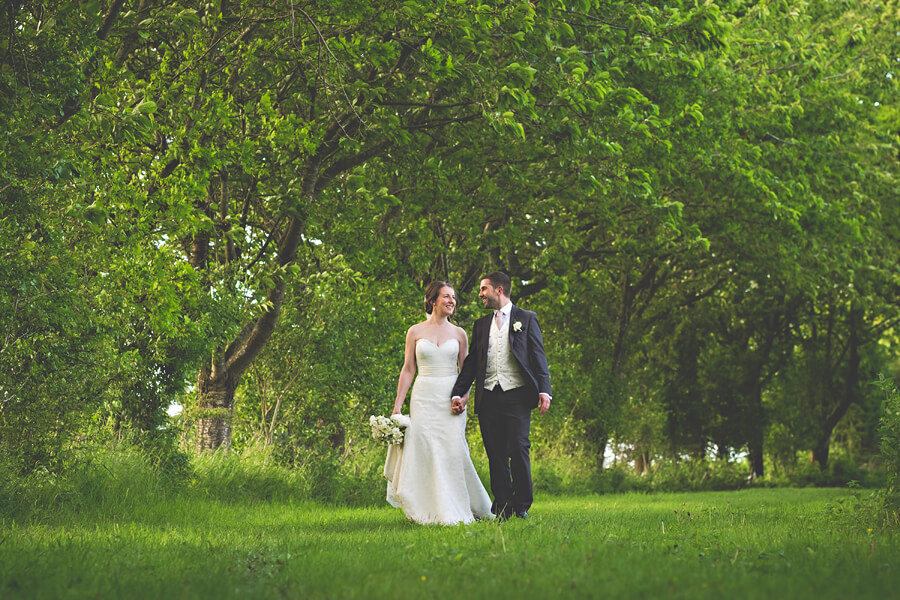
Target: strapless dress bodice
<point x="437" y="361"/>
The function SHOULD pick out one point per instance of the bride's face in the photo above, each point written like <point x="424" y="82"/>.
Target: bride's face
<point x="446" y="301"/>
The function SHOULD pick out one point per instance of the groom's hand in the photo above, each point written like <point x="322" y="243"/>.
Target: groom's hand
<point x="543" y="402"/>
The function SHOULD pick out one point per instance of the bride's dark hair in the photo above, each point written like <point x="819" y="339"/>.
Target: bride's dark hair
<point x="432" y="292"/>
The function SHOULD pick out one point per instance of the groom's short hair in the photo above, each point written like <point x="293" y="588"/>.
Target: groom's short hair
<point x="500" y="279"/>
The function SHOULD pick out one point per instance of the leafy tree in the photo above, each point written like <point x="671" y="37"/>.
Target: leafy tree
<point x="825" y="136"/>
<point x="769" y="188"/>
<point x="97" y="323"/>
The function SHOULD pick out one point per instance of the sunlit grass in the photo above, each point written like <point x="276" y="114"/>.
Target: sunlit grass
<point x="748" y="544"/>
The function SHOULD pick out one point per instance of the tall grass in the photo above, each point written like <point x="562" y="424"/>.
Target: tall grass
<point x="241" y="528"/>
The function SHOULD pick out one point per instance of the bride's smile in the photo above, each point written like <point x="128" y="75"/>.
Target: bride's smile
<point x="447" y="302"/>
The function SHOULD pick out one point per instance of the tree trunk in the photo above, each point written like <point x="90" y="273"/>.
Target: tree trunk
<point x="819" y="454"/>
<point x="601" y="454"/>
<point x="215" y="398"/>
<point x="213" y="433"/>
<point x="217" y="382"/>
<point x="639" y="463"/>
<point x="755" y="450"/>
<point x="722" y="451"/>
<point x="756" y="419"/>
<point x="848" y="393"/>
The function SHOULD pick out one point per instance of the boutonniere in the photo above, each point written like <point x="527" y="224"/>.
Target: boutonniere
<point x="517" y="326"/>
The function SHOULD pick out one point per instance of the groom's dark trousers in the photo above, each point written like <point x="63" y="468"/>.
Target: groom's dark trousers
<point x="504" y="418"/>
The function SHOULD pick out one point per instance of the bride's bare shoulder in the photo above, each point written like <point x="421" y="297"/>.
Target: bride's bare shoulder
<point x="416" y="331"/>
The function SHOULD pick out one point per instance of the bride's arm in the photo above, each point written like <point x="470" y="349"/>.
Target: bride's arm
<point x="463" y="352"/>
<point x="463" y="347"/>
<point x="408" y="372"/>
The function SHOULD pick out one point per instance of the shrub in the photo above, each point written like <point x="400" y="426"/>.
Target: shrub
<point x="618" y="479"/>
<point x="697" y="475"/>
<point x="880" y="508"/>
<point x="324" y="475"/>
<point x="889" y="433"/>
<point x="115" y="480"/>
<point x="20" y="492"/>
<point x="247" y="475"/>
<point x="108" y="481"/>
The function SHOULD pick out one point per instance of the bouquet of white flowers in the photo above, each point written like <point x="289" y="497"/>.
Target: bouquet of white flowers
<point x="389" y="431"/>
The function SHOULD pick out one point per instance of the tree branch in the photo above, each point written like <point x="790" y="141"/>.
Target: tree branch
<point x="109" y="20"/>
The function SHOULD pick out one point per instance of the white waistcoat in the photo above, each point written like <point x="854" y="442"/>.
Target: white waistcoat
<point x="502" y="367"/>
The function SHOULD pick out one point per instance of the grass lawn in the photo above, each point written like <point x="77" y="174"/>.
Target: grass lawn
<point x="761" y="543"/>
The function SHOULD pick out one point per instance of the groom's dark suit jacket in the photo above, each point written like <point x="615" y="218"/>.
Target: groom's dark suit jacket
<point x="526" y="345"/>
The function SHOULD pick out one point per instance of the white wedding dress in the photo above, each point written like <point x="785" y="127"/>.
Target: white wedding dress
<point x="431" y="475"/>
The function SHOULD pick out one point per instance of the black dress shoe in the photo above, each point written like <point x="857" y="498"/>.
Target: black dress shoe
<point x="522" y="514"/>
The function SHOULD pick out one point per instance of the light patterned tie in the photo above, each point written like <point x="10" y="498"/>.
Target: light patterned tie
<point x="498" y="317"/>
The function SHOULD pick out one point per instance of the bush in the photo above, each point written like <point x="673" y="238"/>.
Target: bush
<point x="115" y="480"/>
<point x="618" y="479"/>
<point x="108" y="481"/>
<point x="889" y="433"/>
<point x="323" y="475"/>
<point x="880" y="508"/>
<point x="842" y="470"/>
<point x="19" y="493"/>
<point x="576" y="474"/>
<point x="861" y="512"/>
<point x="247" y="475"/>
<point x="698" y="475"/>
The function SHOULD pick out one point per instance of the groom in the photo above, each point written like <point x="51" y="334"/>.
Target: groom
<point x="508" y="365"/>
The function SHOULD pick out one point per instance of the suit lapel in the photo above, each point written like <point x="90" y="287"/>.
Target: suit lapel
<point x="517" y="344"/>
<point x="512" y="332"/>
<point x="484" y="333"/>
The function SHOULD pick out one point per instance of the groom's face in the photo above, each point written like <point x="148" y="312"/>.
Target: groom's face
<point x="490" y="296"/>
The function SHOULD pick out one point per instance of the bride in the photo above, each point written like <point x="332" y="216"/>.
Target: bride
<point x="431" y="476"/>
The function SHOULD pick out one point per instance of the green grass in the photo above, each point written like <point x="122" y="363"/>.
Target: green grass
<point x="761" y="543"/>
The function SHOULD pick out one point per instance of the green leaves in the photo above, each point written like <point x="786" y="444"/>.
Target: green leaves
<point x="145" y="107"/>
<point x="630" y="163"/>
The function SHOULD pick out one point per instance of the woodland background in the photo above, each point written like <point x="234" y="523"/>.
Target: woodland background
<point x="234" y="207"/>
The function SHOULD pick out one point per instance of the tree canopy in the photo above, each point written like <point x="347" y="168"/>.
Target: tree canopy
<point x="236" y="205"/>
